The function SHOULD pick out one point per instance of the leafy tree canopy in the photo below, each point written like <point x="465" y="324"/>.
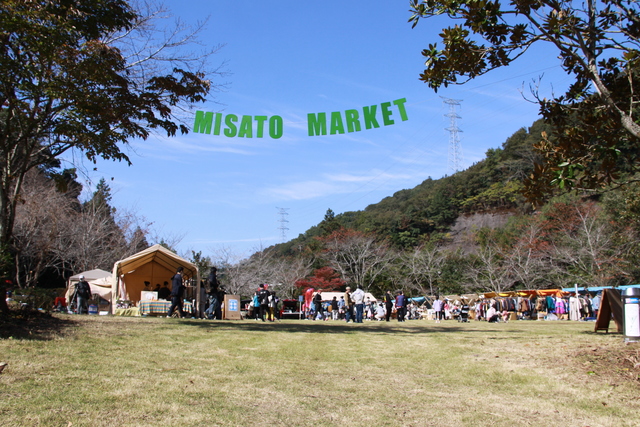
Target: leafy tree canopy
<point x="596" y="132"/>
<point x="63" y="87"/>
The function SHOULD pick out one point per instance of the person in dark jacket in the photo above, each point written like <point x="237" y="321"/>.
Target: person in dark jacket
<point x="263" y="298"/>
<point x="164" y="292"/>
<point x="177" y="293"/>
<point x="83" y="294"/>
<point x="401" y="306"/>
<point x="317" y="302"/>
<point x="334" y="308"/>
<point x="213" y="294"/>
<point x="388" y="305"/>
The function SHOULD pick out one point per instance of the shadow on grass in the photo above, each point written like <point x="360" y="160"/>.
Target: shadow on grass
<point x="332" y="327"/>
<point x="33" y="325"/>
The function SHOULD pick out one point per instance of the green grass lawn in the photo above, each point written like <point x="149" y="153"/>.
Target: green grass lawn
<point x="114" y="371"/>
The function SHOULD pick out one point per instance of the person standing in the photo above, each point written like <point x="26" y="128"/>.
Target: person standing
<point x="213" y="294"/>
<point x="177" y="293"/>
<point x="263" y="297"/>
<point x="317" y="304"/>
<point x="368" y="309"/>
<point x="348" y="305"/>
<point x="83" y="294"/>
<point x="334" y="308"/>
<point x="388" y="305"/>
<point x="438" y="309"/>
<point x="400" y="306"/>
<point x="273" y="306"/>
<point x="595" y="304"/>
<point x="341" y="308"/>
<point x="358" y="300"/>
<point x="256" y="305"/>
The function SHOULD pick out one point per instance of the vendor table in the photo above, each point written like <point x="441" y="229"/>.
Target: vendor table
<point x="154" y="308"/>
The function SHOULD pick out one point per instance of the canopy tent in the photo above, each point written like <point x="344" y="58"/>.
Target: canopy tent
<point x="99" y="282"/>
<point x="594" y="289"/>
<point x="328" y="296"/>
<point x="428" y="299"/>
<point x="525" y="293"/>
<point x="155" y="265"/>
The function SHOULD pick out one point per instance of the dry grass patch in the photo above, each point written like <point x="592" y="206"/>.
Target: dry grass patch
<point x="109" y="371"/>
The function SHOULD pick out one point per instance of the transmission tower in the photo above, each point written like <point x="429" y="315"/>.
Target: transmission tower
<point x="283" y="223"/>
<point x="455" y="152"/>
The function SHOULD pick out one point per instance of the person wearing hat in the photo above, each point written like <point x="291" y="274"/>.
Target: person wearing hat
<point x="83" y="294"/>
<point x="177" y="292"/>
<point x="348" y="307"/>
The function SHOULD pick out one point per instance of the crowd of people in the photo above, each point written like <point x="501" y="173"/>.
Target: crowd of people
<point x="356" y="307"/>
<point x="353" y="307"/>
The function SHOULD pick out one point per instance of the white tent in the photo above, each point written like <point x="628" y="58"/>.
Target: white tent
<point x="99" y="282"/>
<point x="155" y="265"/>
<point x="328" y="296"/>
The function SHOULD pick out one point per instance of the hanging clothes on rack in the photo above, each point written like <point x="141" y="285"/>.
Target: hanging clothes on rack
<point x="574" y="308"/>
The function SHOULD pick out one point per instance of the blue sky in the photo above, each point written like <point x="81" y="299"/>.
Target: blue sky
<point x="290" y="59"/>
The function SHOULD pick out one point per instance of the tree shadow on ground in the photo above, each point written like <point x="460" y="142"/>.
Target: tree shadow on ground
<point x="415" y="327"/>
<point x="34" y="325"/>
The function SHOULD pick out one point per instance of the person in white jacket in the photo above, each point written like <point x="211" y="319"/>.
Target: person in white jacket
<point x="358" y="300"/>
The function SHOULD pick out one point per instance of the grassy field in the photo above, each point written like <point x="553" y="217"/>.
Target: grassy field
<point x="114" y="371"/>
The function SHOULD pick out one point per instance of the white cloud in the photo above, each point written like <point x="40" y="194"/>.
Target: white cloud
<point x="341" y="183"/>
<point x="302" y="190"/>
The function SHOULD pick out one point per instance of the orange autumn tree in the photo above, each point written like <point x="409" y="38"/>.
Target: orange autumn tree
<point x="323" y="279"/>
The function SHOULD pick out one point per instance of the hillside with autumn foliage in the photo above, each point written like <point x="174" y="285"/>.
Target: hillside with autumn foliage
<point x="475" y="231"/>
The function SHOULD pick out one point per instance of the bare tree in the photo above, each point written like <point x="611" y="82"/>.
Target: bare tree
<point x="240" y="275"/>
<point x="424" y="266"/>
<point x="40" y="220"/>
<point x="359" y="258"/>
<point x="157" y="42"/>
<point x="489" y="271"/>
<point x="285" y="272"/>
<point x="584" y="244"/>
<point x="54" y="230"/>
<point x="528" y="260"/>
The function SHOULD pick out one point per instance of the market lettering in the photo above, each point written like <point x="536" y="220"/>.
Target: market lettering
<point x="243" y="127"/>
<point x="351" y="121"/>
<point x="337" y="122"/>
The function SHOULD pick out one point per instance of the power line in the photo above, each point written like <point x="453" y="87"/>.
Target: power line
<point x="455" y="151"/>
<point x="283" y="223"/>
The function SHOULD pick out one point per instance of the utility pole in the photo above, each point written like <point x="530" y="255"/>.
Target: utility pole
<point x="283" y="223"/>
<point x="455" y="152"/>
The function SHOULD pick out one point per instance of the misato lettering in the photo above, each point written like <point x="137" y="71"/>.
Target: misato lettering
<point x="232" y="125"/>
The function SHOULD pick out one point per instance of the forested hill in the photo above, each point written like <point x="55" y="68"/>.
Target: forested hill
<point x="414" y="216"/>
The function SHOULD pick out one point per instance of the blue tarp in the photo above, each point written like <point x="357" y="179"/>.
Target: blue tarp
<point x="593" y="289"/>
